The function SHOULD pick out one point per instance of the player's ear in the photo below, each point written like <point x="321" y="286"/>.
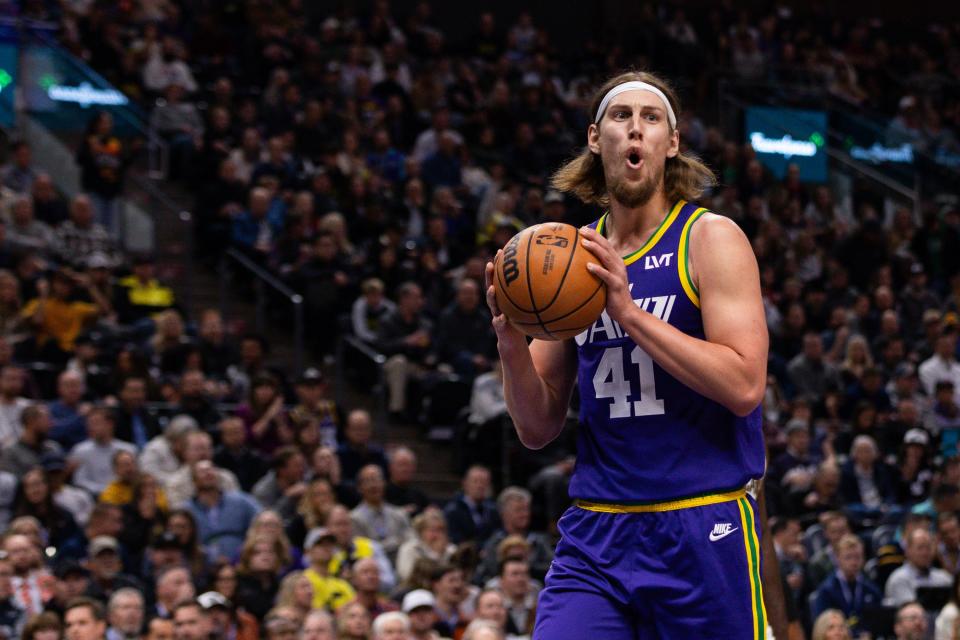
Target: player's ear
<point x="674" y="148"/>
<point x="593" y="138"/>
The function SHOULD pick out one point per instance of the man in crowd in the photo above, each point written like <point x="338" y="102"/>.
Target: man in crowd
<point x="28" y="451"/>
<point x="92" y="459"/>
<point x="472" y="515"/>
<point x="84" y="619"/>
<point x="917" y="571"/>
<point x="374" y="518"/>
<point x="125" y="613"/>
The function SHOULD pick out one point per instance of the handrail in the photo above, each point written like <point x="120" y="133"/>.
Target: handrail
<point x="264" y="277"/>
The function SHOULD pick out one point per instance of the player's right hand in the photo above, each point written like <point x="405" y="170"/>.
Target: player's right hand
<point x="507" y="334"/>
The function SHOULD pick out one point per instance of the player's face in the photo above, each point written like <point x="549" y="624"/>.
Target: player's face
<point x="634" y="141"/>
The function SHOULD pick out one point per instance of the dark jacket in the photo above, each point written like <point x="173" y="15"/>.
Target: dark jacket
<point x="831" y="595"/>
<point x="461" y="525"/>
<point x="882" y="477"/>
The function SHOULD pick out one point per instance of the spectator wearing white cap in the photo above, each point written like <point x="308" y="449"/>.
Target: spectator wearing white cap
<point x="419" y="605"/>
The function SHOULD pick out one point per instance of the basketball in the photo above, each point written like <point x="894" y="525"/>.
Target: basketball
<point x="543" y="285"/>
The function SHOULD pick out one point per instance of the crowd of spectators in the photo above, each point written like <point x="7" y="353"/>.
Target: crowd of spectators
<point x="167" y="471"/>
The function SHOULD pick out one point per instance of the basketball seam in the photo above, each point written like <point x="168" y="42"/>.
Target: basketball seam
<point x="569" y="313"/>
<point x="503" y="287"/>
<point x="530" y="286"/>
<point x="566" y="269"/>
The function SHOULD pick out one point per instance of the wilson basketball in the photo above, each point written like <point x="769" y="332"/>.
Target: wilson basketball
<point x="542" y="283"/>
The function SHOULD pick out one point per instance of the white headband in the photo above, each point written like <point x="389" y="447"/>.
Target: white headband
<point x="636" y="85"/>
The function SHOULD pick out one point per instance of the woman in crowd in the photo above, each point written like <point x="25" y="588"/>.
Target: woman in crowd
<point x="831" y="625"/>
<point x="264" y="415"/>
<point x="296" y="592"/>
<point x="33" y="498"/>
<point x="258" y="574"/>
<point x="431" y="542"/>
<point x="353" y="622"/>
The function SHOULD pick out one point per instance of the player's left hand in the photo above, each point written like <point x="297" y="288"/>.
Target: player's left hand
<point x="612" y="271"/>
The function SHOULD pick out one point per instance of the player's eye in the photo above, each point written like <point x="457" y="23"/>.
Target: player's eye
<point x="653" y="117"/>
<point x="620" y="114"/>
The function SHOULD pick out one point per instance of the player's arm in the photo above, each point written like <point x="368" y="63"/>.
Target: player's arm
<point x="730" y="366"/>
<point x="537" y="379"/>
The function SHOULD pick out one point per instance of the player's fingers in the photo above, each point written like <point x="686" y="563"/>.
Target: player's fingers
<point x="602" y="273"/>
<point x="603" y="253"/>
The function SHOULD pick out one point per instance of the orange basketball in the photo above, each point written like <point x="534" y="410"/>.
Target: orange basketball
<point x="542" y="283"/>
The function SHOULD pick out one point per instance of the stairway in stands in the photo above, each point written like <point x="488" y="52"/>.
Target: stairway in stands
<point x="200" y="287"/>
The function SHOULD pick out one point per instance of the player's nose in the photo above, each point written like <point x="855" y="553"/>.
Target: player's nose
<point x="634" y="130"/>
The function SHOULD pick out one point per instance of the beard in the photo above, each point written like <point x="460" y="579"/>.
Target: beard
<point x="635" y="194"/>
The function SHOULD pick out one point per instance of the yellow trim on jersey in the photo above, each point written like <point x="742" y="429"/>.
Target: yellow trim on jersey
<point x="756" y="568"/>
<point x="673" y="505"/>
<point x="683" y="258"/>
<point x="752" y="549"/>
<point x="654" y="238"/>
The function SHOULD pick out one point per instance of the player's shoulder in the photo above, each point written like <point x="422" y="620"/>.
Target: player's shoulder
<point x="714" y="228"/>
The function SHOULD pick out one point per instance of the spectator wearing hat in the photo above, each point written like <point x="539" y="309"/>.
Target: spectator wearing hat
<point x="141" y="295"/>
<point x="164" y="552"/>
<point x="226" y="620"/>
<point x="419" y="606"/>
<point x="125" y="614"/>
<point x="223" y="517"/>
<point x="314" y="409"/>
<point x="92" y="459"/>
<point x="916" y="474"/>
<point x="942" y="366"/>
<point x="27" y="452"/>
<point x="106" y="569"/>
<point x="329" y="591"/>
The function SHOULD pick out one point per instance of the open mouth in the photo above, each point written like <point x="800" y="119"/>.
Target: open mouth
<point x="633" y="160"/>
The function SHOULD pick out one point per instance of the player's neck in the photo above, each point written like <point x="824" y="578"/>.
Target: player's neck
<point x="628" y="228"/>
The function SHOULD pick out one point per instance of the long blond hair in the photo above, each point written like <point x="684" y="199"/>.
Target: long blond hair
<point x="685" y="176"/>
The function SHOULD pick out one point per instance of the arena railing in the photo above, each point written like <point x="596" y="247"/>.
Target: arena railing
<point x="266" y="289"/>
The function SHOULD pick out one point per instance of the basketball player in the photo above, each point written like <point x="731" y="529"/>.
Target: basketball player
<point x="663" y="540"/>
